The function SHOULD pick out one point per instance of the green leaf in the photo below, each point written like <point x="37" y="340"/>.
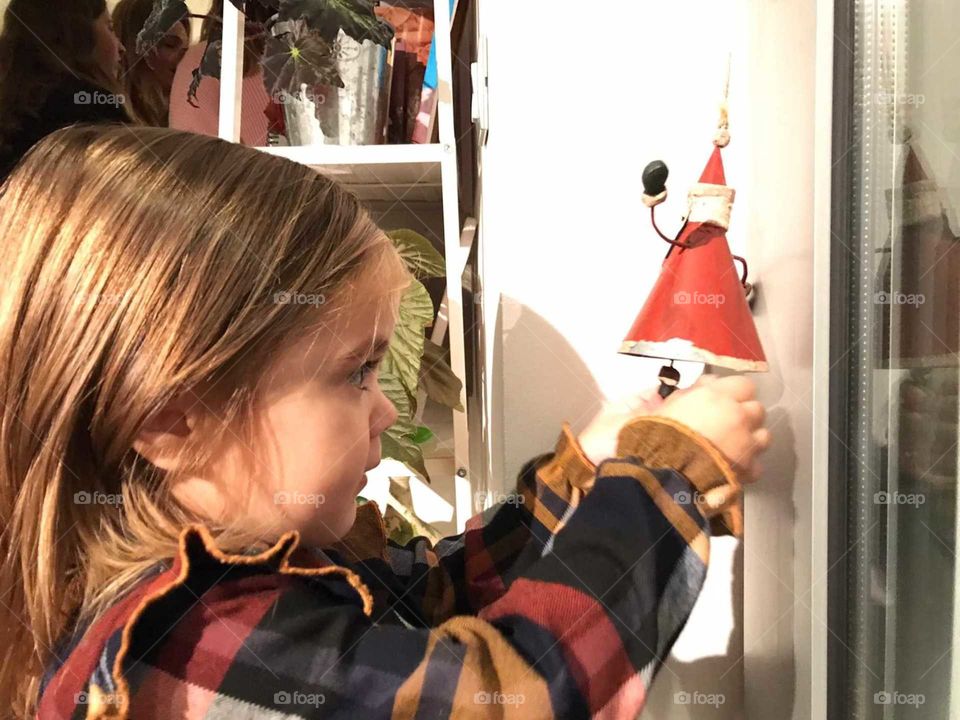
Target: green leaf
<point x="397" y="443"/>
<point x="422" y="435"/>
<point x="416" y="305"/>
<point x="397" y="394"/>
<point x="399" y="377"/>
<point x="438" y="379"/>
<point x="406" y="346"/>
<point x="422" y="258"/>
<point x="299" y="56"/>
<point x="355" y="17"/>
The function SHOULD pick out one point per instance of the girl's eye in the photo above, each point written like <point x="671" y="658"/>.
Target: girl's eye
<point x="362" y="374"/>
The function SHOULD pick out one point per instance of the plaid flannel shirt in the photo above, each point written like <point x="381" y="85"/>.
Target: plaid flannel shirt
<point x="535" y="611"/>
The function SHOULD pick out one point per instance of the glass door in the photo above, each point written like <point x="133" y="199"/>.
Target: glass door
<point x="896" y="337"/>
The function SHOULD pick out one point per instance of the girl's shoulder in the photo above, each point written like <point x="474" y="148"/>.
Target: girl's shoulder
<point x="199" y="615"/>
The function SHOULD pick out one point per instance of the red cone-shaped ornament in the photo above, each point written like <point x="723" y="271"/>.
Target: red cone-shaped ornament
<point x="697" y="310"/>
<point x="919" y="290"/>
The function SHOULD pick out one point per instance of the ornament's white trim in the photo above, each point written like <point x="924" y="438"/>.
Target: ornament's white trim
<point x="711" y="204"/>
<point x="654" y="200"/>
<point x="921" y="362"/>
<point x="921" y="202"/>
<point x="678" y="349"/>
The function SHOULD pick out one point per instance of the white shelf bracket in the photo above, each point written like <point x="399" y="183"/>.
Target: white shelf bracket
<point x="231" y="73"/>
<point x="479" y="78"/>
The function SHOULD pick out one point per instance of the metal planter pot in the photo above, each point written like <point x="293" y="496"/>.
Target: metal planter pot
<point x="355" y="114"/>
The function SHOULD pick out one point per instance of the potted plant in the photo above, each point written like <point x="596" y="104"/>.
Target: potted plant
<point x="321" y="59"/>
<point x="413" y="363"/>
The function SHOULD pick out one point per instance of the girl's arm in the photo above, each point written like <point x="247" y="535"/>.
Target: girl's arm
<point x="464" y="573"/>
<point x="581" y="630"/>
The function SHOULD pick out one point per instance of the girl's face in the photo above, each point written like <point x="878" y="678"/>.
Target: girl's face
<point x="319" y="432"/>
<point x="165" y="58"/>
<point x="107" y="48"/>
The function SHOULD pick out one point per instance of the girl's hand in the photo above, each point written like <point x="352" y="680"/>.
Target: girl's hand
<point x="724" y="411"/>
<point x="599" y="438"/>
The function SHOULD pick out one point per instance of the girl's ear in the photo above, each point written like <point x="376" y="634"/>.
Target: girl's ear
<point x="162" y="438"/>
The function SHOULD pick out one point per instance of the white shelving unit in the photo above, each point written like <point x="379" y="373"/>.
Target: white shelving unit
<point x="410" y="177"/>
<point x="389" y="173"/>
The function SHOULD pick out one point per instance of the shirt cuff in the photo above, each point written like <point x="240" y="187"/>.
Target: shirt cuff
<point x="568" y="467"/>
<point x="660" y="442"/>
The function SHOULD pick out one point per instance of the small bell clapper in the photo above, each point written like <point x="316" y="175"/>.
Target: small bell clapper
<point x="669" y="379"/>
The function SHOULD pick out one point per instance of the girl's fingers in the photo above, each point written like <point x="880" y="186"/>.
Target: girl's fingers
<point x="752" y="444"/>
<point x="754" y="412"/>
<point x="738" y="387"/>
<point x="761" y="439"/>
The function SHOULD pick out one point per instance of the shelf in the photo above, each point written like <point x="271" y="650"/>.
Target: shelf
<point x="392" y="173"/>
<point x="408" y="185"/>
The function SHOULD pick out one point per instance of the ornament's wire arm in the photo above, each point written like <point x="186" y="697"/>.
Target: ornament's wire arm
<point x="653" y="219"/>
<point x="677" y="243"/>
<point x="743" y="277"/>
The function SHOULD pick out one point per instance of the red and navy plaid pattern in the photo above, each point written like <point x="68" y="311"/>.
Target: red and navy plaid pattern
<point x="535" y="611"/>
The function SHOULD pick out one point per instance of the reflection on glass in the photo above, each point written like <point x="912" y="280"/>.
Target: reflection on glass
<point x="905" y="340"/>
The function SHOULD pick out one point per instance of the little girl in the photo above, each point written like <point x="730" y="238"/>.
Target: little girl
<point x="189" y="346"/>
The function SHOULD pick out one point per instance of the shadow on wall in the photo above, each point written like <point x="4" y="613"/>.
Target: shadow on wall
<point x="700" y="689"/>
<point x="708" y="687"/>
<point x="776" y="673"/>
<point x="543" y="381"/>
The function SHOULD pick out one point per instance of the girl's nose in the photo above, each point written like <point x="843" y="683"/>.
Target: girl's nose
<point x="384" y="414"/>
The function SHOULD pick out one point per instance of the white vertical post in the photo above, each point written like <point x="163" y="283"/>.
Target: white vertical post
<point x="785" y="536"/>
<point x="463" y="500"/>
<point x="812" y="650"/>
<point x="955" y="621"/>
<point x="231" y="73"/>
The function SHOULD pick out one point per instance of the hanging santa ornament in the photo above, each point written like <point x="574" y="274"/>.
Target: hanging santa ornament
<point x="919" y="294"/>
<point x="698" y="309"/>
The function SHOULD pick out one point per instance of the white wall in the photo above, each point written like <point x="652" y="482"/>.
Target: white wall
<point x="785" y="526"/>
<point x="581" y="99"/>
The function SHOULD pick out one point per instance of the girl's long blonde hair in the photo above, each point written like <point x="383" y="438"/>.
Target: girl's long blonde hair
<point x="139" y="262"/>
